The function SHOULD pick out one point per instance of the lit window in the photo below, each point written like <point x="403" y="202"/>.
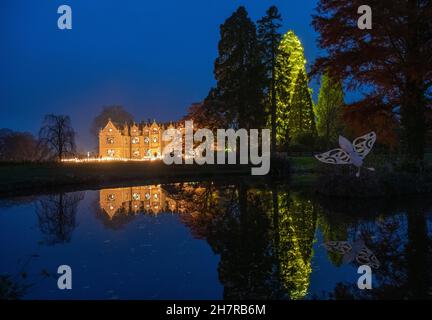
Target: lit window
<point x="156" y="196"/>
<point x="111" y="197"/>
<point x="110" y="153"/>
<point x="155" y="139"/>
<point x="147" y="196"/>
<point x="136" y="153"/>
<point x="146" y="140"/>
<point x="135" y="140"/>
<point x="110" y="130"/>
<point x="110" y="140"/>
<point x="136" y="196"/>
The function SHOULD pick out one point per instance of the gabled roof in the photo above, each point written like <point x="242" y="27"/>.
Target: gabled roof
<point x="113" y="124"/>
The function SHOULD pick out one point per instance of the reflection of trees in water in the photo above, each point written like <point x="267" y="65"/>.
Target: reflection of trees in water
<point x="418" y="256"/>
<point x="17" y="286"/>
<point x="241" y="234"/>
<point x="264" y="238"/>
<point x="295" y="233"/>
<point x="401" y="243"/>
<point x="56" y="216"/>
<point x="15" y="201"/>
<point x="118" y="221"/>
<point x="202" y="203"/>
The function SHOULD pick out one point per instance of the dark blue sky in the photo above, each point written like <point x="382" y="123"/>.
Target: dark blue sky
<point x="153" y="57"/>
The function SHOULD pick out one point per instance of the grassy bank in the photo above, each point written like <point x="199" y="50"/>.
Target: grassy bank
<point x="39" y="177"/>
<point x="302" y="173"/>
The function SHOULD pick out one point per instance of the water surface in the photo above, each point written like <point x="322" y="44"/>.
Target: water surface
<point x="212" y="240"/>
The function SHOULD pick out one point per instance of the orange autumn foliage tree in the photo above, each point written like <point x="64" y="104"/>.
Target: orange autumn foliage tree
<point x="362" y="119"/>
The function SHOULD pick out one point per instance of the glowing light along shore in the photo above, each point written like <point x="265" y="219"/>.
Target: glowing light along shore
<point x="107" y="159"/>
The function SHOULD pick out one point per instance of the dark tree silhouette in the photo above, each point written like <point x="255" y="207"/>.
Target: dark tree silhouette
<point x="239" y="72"/>
<point x="56" y="216"/>
<point x="269" y="39"/>
<point x="58" y="135"/>
<point x="393" y="59"/>
<point x="116" y="113"/>
<point x="20" y="146"/>
<point x="209" y="113"/>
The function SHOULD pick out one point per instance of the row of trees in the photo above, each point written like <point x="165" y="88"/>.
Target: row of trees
<point x="262" y="81"/>
<point x="56" y="137"/>
<point x="56" y="140"/>
<point x="392" y="61"/>
<point x="261" y="78"/>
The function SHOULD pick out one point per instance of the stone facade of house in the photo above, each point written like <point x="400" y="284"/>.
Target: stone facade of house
<point x="132" y="141"/>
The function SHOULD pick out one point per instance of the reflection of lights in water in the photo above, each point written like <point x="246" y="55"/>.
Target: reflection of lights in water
<point x="149" y="199"/>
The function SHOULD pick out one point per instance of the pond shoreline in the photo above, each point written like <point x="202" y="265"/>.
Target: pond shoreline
<point x="40" y="178"/>
<point x="43" y="178"/>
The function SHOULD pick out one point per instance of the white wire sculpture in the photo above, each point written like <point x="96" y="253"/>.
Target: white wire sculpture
<point x="356" y="251"/>
<point x="350" y="153"/>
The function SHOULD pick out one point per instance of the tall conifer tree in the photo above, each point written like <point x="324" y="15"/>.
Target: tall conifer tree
<point x="328" y="110"/>
<point x="301" y="118"/>
<point x="291" y="63"/>
<point x="239" y="72"/>
<point x="269" y="39"/>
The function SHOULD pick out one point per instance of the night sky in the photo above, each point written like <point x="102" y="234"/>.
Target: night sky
<point x="153" y="57"/>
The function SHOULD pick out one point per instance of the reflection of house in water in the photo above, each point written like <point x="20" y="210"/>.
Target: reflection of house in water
<point x="148" y="199"/>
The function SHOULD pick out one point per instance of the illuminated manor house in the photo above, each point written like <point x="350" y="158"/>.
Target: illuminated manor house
<point x="135" y="141"/>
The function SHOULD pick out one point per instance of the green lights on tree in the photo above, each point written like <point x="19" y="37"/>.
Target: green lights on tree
<point x="294" y="111"/>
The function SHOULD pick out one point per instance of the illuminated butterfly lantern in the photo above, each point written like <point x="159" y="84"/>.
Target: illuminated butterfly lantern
<point x="357" y="251"/>
<point x="350" y="153"/>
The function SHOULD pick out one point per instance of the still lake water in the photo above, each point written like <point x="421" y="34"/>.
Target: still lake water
<point x="212" y="241"/>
